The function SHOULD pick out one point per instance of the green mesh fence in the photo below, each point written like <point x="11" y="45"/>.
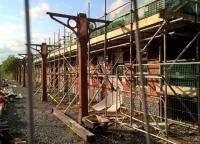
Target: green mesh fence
<point x="147" y="8"/>
<point x="182" y="6"/>
<point x="152" y="8"/>
<point x="182" y="75"/>
<point x="182" y="82"/>
<point x="180" y="70"/>
<point x="121" y="16"/>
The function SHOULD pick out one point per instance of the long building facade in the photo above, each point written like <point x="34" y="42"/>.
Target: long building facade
<point x="169" y="38"/>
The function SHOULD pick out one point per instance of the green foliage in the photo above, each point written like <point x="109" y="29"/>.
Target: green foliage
<point x="7" y="67"/>
<point x="16" y="133"/>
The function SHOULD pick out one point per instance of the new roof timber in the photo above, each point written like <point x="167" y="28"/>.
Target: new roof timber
<point x="143" y="23"/>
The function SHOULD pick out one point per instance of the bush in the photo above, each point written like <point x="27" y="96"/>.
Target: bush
<point x="7" y="68"/>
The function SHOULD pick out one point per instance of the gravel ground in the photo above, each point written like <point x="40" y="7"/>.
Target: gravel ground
<point x="48" y="129"/>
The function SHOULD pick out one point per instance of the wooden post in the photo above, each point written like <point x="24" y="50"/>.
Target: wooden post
<point x="44" y="48"/>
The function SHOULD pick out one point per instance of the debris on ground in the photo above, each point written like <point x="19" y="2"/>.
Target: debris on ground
<point x="2" y="105"/>
<point x="95" y="122"/>
<point x="7" y="96"/>
<point x="19" y="96"/>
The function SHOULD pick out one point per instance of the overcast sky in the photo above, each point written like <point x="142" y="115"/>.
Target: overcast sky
<point x="12" y="35"/>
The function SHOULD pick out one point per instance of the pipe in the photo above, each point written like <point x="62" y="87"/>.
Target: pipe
<point x="198" y="67"/>
<point x="30" y="86"/>
<point x="105" y="53"/>
<point x="130" y="60"/>
<point x="138" y="55"/>
<point x="88" y="64"/>
<point x="165" y="74"/>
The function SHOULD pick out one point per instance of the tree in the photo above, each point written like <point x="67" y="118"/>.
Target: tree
<point x="7" y="67"/>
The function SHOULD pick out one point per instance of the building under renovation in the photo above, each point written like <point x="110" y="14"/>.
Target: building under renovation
<point x="94" y="70"/>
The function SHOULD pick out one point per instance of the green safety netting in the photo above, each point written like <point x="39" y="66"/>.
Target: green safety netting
<point x="147" y="8"/>
<point x="182" y="82"/>
<point x="121" y="16"/>
<point x="182" y="75"/>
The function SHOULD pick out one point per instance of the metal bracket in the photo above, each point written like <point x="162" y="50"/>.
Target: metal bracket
<point x="75" y="18"/>
<point x="39" y="45"/>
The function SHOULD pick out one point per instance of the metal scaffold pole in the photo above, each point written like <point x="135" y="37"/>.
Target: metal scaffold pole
<point x="70" y="46"/>
<point x="141" y="76"/>
<point x="88" y="57"/>
<point x="198" y="82"/>
<point x="30" y="86"/>
<point x="105" y="55"/>
<point x="49" y="68"/>
<point x="198" y="67"/>
<point x="131" y="62"/>
<point x="161" y="81"/>
<point x="70" y="62"/>
<point x="54" y="61"/>
<point x="59" y="62"/>
<point x="165" y="85"/>
<point x="64" y="63"/>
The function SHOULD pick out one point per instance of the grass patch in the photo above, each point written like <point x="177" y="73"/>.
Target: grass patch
<point x="16" y="133"/>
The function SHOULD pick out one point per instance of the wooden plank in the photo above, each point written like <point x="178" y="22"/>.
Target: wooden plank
<point x="149" y="21"/>
<point x="180" y="90"/>
<point x="73" y="125"/>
